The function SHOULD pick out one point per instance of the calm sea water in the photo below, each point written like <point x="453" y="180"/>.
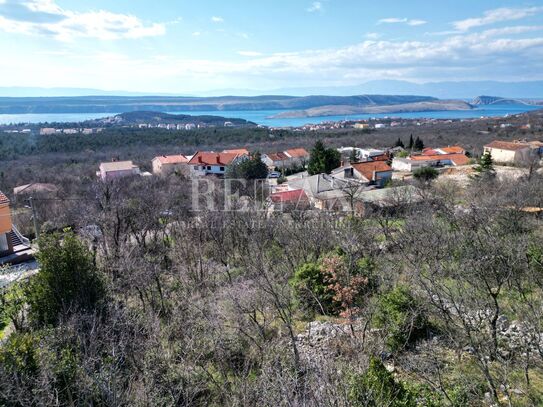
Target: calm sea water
<point x="263" y="116"/>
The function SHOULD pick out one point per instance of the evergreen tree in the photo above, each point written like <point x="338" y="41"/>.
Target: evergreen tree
<point x="399" y="143"/>
<point x="68" y="281"/>
<point x="486" y="163"/>
<point x="250" y="169"/>
<point x="322" y="159"/>
<point x="353" y="157"/>
<point x="411" y="143"/>
<point x="485" y="169"/>
<point x="419" y="145"/>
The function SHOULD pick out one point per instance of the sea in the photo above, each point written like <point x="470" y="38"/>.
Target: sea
<point x="264" y="117"/>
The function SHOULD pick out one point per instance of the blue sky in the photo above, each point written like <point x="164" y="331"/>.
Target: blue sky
<point x="186" y="46"/>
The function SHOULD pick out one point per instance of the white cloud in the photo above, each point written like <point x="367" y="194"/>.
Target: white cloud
<point x="46" y="18"/>
<point x="392" y="20"/>
<point x="373" y="36"/>
<point x="316" y="6"/>
<point x="196" y="33"/>
<point x="417" y="22"/>
<point x="496" y="16"/>
<point x="396" y="20"/>
<point x="250" y="53"/>
<point x="217" y="19"/>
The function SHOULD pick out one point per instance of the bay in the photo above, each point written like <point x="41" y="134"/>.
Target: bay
<point x="263" y="117"/>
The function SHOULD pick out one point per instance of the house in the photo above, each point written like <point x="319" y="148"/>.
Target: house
<point x="294" y="157"/>
<point x="516" y="152"/>
<point x="369" y="172"/>
<point x="298" y="156"/>
<point x="296" y="199"/>
<point x="276" y="160"/>
<point x="14" y="248"/>
<point x="35" y="189"/>
<point x="211" y="163"/>
<point x="432" y="157"/>
<point x="168" y="164"/>
<point x="117" y="169"/>
<point x="327" y="192"/>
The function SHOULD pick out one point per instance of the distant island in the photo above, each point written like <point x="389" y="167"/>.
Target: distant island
<point x="159" y="118"/>
<point x="345" y="110"/>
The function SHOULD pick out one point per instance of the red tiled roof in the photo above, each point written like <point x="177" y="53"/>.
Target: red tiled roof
<point x="367" y="168"/>
<point x="457" y="159"/>
<point x="429" y="151"/>
<point x="208" y="158"/>
<point x="289" y="196"/>
<point x="240" y="151"/>
<point x="172" y="159"/>
<point x="297" y="152"/>
<point x="507" y="145"/>
<point x="280" y="156"/>
<point x="453" y="150"/>
<point x="381" y="157"/>
<point x="3" y="199"/>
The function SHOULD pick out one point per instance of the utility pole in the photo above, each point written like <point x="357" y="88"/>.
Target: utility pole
<point x="34" y="218"/>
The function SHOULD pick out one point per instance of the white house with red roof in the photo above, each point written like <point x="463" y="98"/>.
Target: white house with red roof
<point x="432" y="157"/>
<point x="211" y="163"/>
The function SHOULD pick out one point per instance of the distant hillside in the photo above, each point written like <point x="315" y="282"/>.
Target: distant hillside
<point x="155" y="118"/>
<point x="118" y="104"/>
<point x="497" y="100"/>
<point x="426" y="106"/>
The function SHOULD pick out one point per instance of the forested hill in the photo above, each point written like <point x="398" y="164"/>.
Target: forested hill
<point x="155" y="118"/>
<point x="118" y="104"/>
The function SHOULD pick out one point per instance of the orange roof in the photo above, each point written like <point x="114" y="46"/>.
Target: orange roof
<point x="297" y="152"/>
<point x="3" y="199"/>
<point x="367" y="168"/>
<point x="457" y="159"/>
<point x="289" y="196"/>
<point x="172" y="159"/>
<point x="453" y="150"/>
<point x="240" y="151"/>
<point x="507" y="145"/>
<point x="209" y="158"/>
<point x="277" y="156"/>
<point x="429" y="151"/>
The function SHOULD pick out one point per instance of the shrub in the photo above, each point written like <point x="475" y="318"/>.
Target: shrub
<point x="312" y="291"/>
<point x="67" y="283"/>
<point x="425" y="174"/>
<point x="400" y="315"/>
<point x="377" y="387"/>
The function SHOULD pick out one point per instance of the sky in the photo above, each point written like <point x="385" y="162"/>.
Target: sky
<point x="188" y="46"/>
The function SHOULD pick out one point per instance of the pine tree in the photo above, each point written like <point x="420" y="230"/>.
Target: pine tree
<point x="411" y="143"/>
<point x="353" y="157"/>
<point x="419" y="145"/>
<point x="323" y="160"/>
<point x="399" y="143"/>
<point x="486" y="164"/>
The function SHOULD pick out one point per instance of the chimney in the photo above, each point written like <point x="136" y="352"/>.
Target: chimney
<point x="200" y="159"/>
<point x="374" y="175"/>
<point x="218" y="158"/>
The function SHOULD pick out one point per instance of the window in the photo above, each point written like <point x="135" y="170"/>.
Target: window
<point x="222" y="169"/>
<point x="196" y="167"/>
<point x="209" y="167"/>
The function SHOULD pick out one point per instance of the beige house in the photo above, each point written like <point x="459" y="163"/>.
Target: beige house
<point x="117" y="169"/>
<point x="168" y="164"/>
<point x="514" y="152"/>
